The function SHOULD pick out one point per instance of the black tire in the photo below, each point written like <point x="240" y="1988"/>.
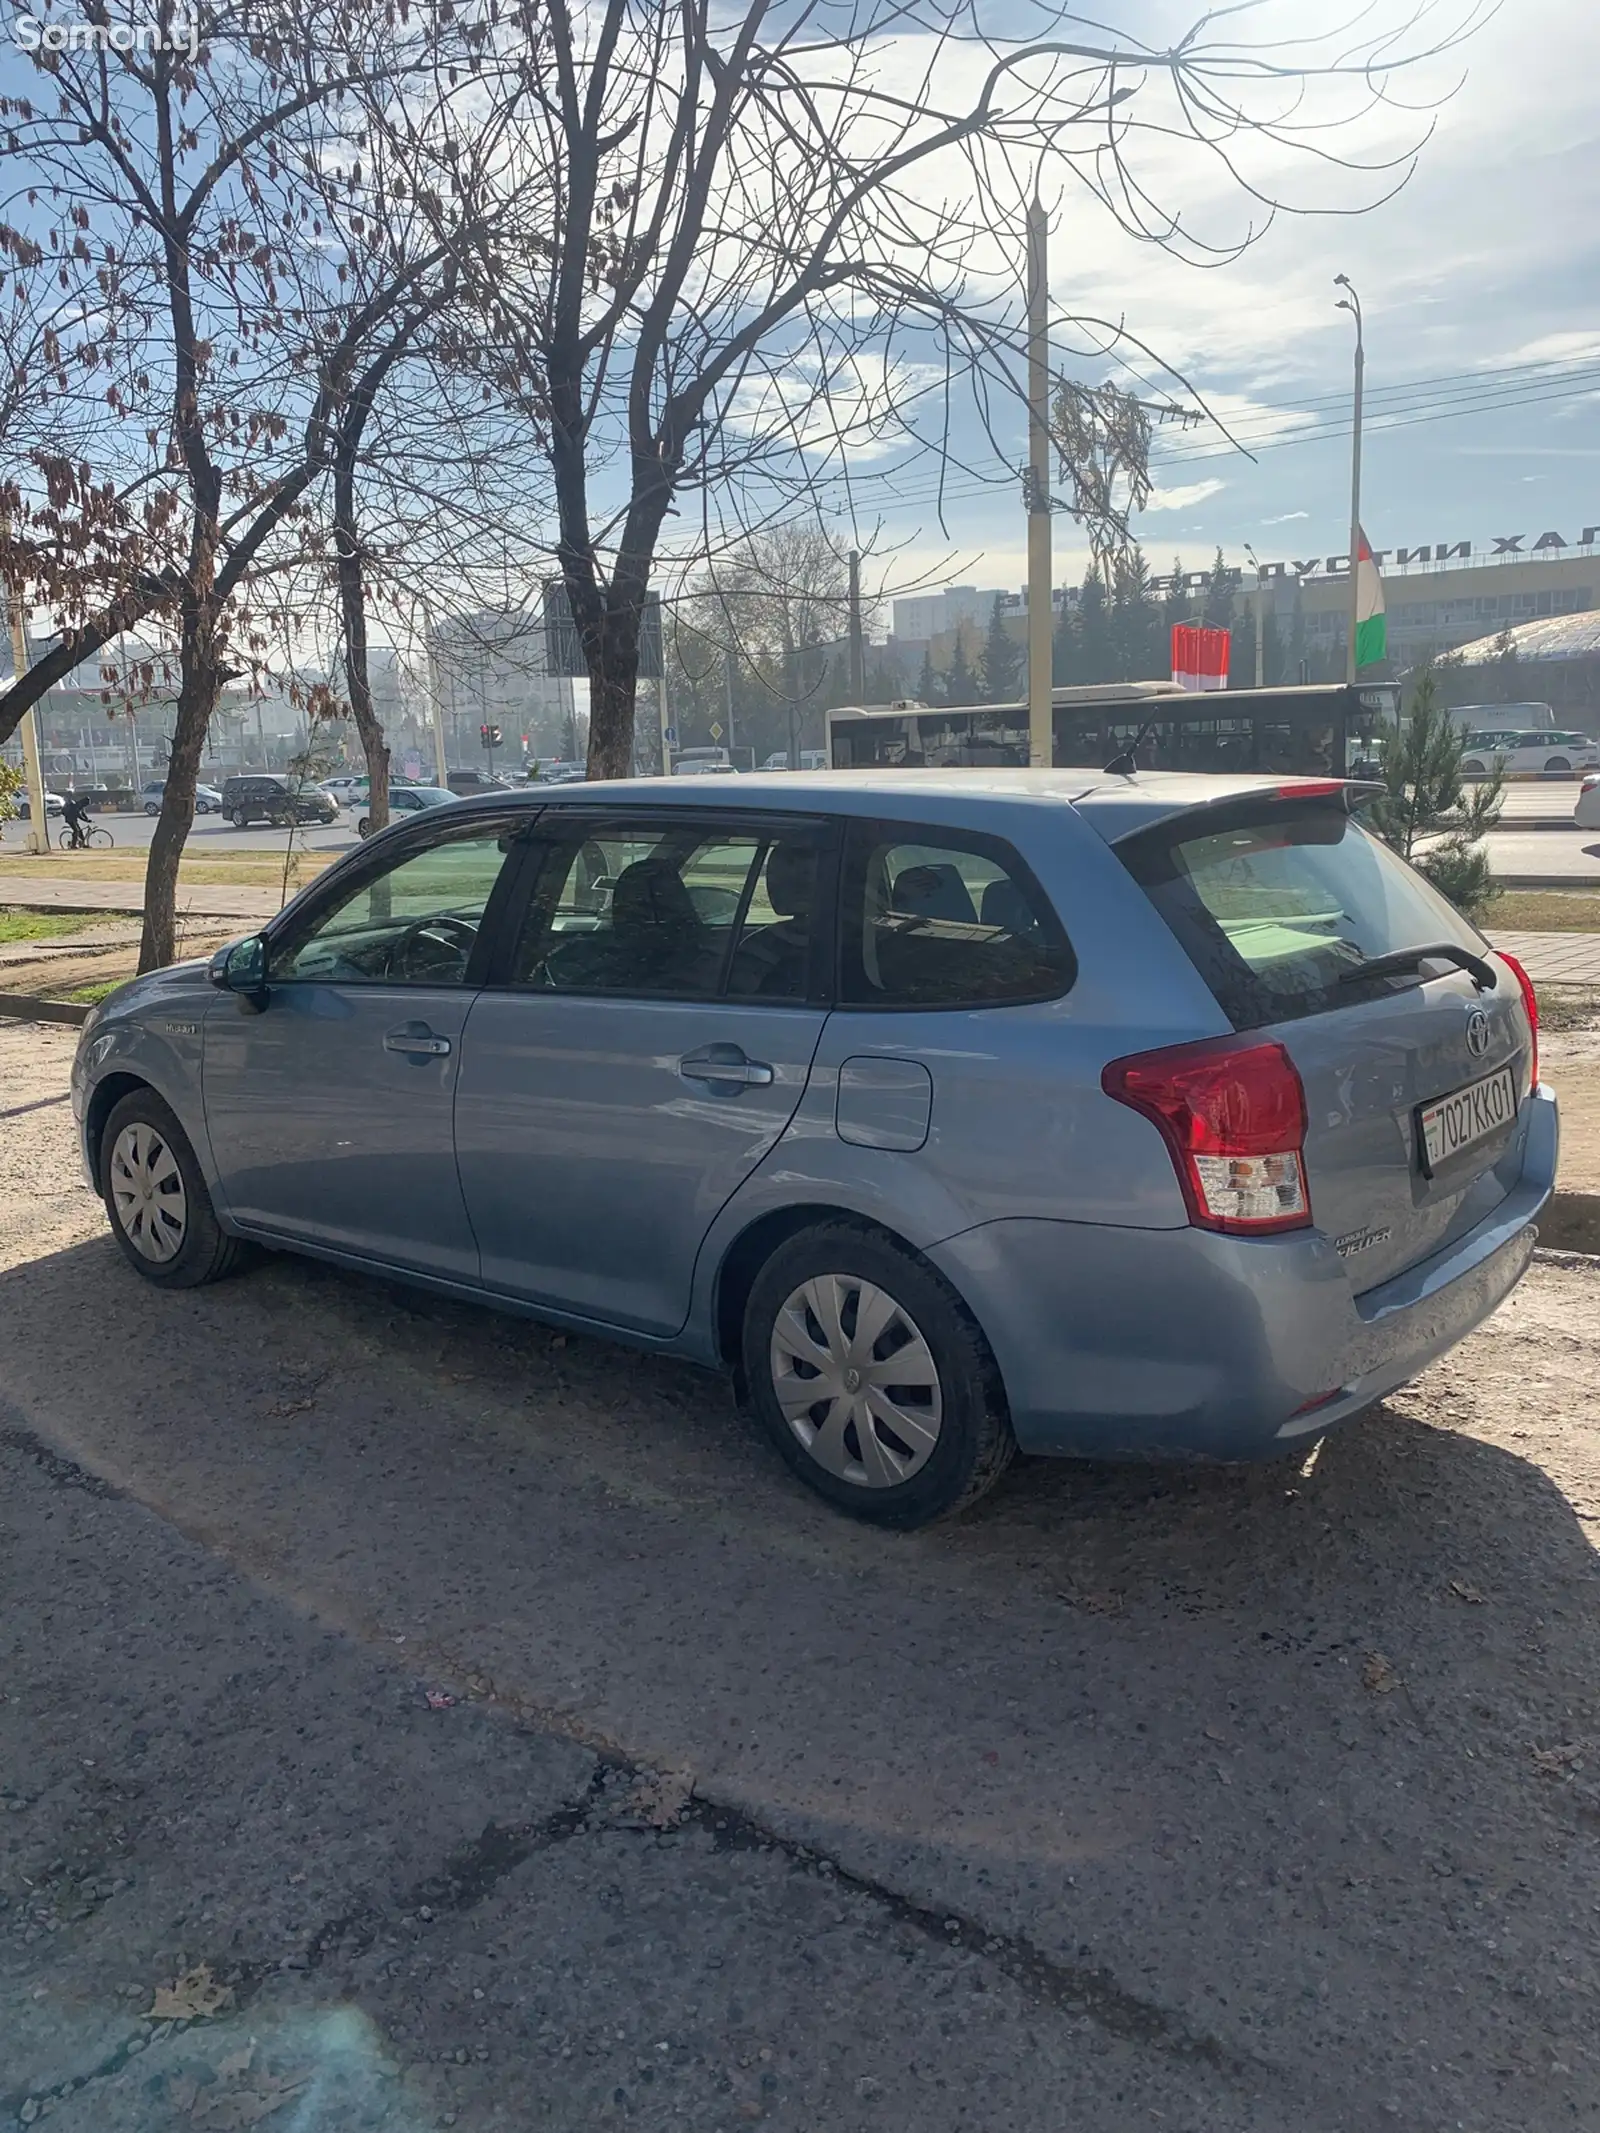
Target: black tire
<point x="239" y="819"/>
<point x="364" y="826"/>
<point x="1558" y="767"/>
<point x="153" y="807"/>
<point x="1472" y="768"/>
<point x="101" y="840"/>
<point x="204" y="1252"/>
<point x="974" y="1443"/>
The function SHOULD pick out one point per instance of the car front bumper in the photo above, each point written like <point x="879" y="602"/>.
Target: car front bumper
<point x="1181" y="1344"/>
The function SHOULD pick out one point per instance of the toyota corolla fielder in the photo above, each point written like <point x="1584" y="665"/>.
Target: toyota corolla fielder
<point x="1147" y="1116"/>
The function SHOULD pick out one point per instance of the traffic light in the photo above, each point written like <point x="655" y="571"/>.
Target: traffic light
<point x="483" y="735"/>
<point x="494" y="736"/>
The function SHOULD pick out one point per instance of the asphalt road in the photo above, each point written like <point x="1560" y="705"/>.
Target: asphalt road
<point x="1139" y="1799"/>
<point x="210" y="833"/>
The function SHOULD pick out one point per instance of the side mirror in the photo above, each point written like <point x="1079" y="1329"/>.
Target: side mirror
<point x="241" y="967"/>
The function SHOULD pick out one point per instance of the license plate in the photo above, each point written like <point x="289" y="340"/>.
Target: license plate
<point x="1469" y="1115"/>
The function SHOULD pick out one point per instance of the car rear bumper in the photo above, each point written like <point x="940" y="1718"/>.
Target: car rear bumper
<point x="1180" y="1344"/>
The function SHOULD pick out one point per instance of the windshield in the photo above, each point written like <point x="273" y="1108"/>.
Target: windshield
<point x="1278" y="907"/>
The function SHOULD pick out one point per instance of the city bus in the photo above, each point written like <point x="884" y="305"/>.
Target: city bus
<point x="1316" y="729"/>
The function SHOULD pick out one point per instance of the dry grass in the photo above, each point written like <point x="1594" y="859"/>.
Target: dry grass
<point x="250" y="870"/>
<point x="1543" y="911"/>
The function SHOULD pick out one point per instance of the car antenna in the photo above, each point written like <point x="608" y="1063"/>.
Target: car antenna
<point x="1126" y="762"/>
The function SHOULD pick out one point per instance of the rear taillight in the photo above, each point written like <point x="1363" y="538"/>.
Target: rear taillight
<point x="1530" y="1002"/>
<point x="1233" y="1113"/>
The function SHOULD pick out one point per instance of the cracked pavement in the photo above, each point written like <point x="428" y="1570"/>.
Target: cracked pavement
<point x="513" y="1744"/>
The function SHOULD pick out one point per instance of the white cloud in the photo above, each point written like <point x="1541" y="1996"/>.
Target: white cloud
<point x="1285" y="518"/>
<point x="1185" y="496"/>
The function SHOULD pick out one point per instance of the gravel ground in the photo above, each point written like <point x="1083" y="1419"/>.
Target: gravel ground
<point x="491" y="1734"/>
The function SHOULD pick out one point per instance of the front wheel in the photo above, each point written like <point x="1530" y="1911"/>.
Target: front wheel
<point x="100" y="840"/>
<point x="152" y="807"/>
<point x="161" y="1212"/>
<point x="872" y="1379"/>
<point x="239" y="819"/>
<point x="364" y="826"/>
<point x="1472" y="768"/>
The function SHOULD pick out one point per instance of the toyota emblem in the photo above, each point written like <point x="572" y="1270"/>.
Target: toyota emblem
<point x="1477" y="1033"/>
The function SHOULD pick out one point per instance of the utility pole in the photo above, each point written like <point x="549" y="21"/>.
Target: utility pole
<point x="1261" y="617"/>
<point x="729" y="666"/>
<point x="1352" y="303"/>
<point x="858" y="664"/>
<point x="32" y="765"/>
<point x="1041" y="738"/>
<point x="441" y="773"/>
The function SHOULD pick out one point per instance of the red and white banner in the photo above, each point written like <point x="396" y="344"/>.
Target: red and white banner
<point x="1199" y="656"/>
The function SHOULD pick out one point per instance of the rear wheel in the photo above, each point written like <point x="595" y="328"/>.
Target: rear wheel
<point x="161" y="1212"/>
<point x="872" y="1379"/>
<point x="1559" y="767"/>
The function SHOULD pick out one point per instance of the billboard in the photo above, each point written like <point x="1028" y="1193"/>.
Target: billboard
<point x="564" y="654"/>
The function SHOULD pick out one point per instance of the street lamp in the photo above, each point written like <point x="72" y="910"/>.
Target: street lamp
<point x="1352" y="303"/>
<point x="1261" y="603"/>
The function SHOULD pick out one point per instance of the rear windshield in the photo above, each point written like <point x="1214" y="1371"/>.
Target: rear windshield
<point x="1278" y="907"/>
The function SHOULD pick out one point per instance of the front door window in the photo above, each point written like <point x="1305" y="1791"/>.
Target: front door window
<point x="416" y="923"/>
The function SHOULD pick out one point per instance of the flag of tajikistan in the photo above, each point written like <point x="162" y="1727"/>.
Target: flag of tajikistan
<point x="1372" y="629"/>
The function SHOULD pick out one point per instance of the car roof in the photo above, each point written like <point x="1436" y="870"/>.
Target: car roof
<point x="1113" y="804"/>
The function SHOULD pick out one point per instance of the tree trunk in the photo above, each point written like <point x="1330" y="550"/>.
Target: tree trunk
<point x="200" y="679"/>
<point x="353" y="615"/>
<point x="612" y="695"/>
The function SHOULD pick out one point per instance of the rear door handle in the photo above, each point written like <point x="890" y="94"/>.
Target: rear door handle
<point x="416" y="1041"/>
<point x="726" y="1066"/>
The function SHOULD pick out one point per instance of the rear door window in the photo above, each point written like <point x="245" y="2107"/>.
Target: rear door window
<point x="1279" y="906"/>
<point x="939" y="918"/>
<point x="682" y="909"/>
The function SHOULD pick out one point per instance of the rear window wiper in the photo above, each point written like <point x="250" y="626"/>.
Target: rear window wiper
<point x="1400" y="960"/>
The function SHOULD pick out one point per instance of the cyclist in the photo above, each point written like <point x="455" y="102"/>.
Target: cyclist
<point x="76" y="813"/>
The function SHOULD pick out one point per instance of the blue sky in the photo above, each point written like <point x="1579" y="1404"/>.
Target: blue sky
<point x="1487" y="258"/>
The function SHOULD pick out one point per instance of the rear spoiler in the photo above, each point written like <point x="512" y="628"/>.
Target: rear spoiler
<point x="1343" y="794"/>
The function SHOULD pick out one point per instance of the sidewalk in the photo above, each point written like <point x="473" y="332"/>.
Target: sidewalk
<point x="1555" y="958"/>
<point x="193" y="901"/>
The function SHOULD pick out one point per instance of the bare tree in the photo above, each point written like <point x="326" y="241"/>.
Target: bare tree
<point x="766" y="222"/>
<point x="236" y="351"/>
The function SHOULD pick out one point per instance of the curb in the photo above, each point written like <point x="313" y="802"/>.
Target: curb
<point x="1571" y="1223"/>
<point x="27" y="1007"/>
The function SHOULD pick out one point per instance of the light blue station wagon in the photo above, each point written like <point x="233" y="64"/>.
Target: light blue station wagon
<point x="1147" y="1116"/>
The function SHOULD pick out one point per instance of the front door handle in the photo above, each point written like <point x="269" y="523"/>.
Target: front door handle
<point x="414" y="1040"/>
<point x="725" y="1066"/>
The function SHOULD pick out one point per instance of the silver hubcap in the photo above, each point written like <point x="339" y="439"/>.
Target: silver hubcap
<point x="147" y="1193"/>
<point x="856" y="1380"/>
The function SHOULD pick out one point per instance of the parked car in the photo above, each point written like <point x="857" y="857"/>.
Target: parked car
<point x="1587" y="812"/>
<point x="700" y="768"/>
<point x="810" y="759"/>
<point x="347" y="791"/>
<point x="269" y="796"/>
<point x="53" y="805"/>
<point x="1550" y="755"/>
<point x="207" y="799"/>
<point x="408" y="800"/>
<point x="462" y="782"/>
<point x="562" y="773"/>
<point x="1154" y="1116"/>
